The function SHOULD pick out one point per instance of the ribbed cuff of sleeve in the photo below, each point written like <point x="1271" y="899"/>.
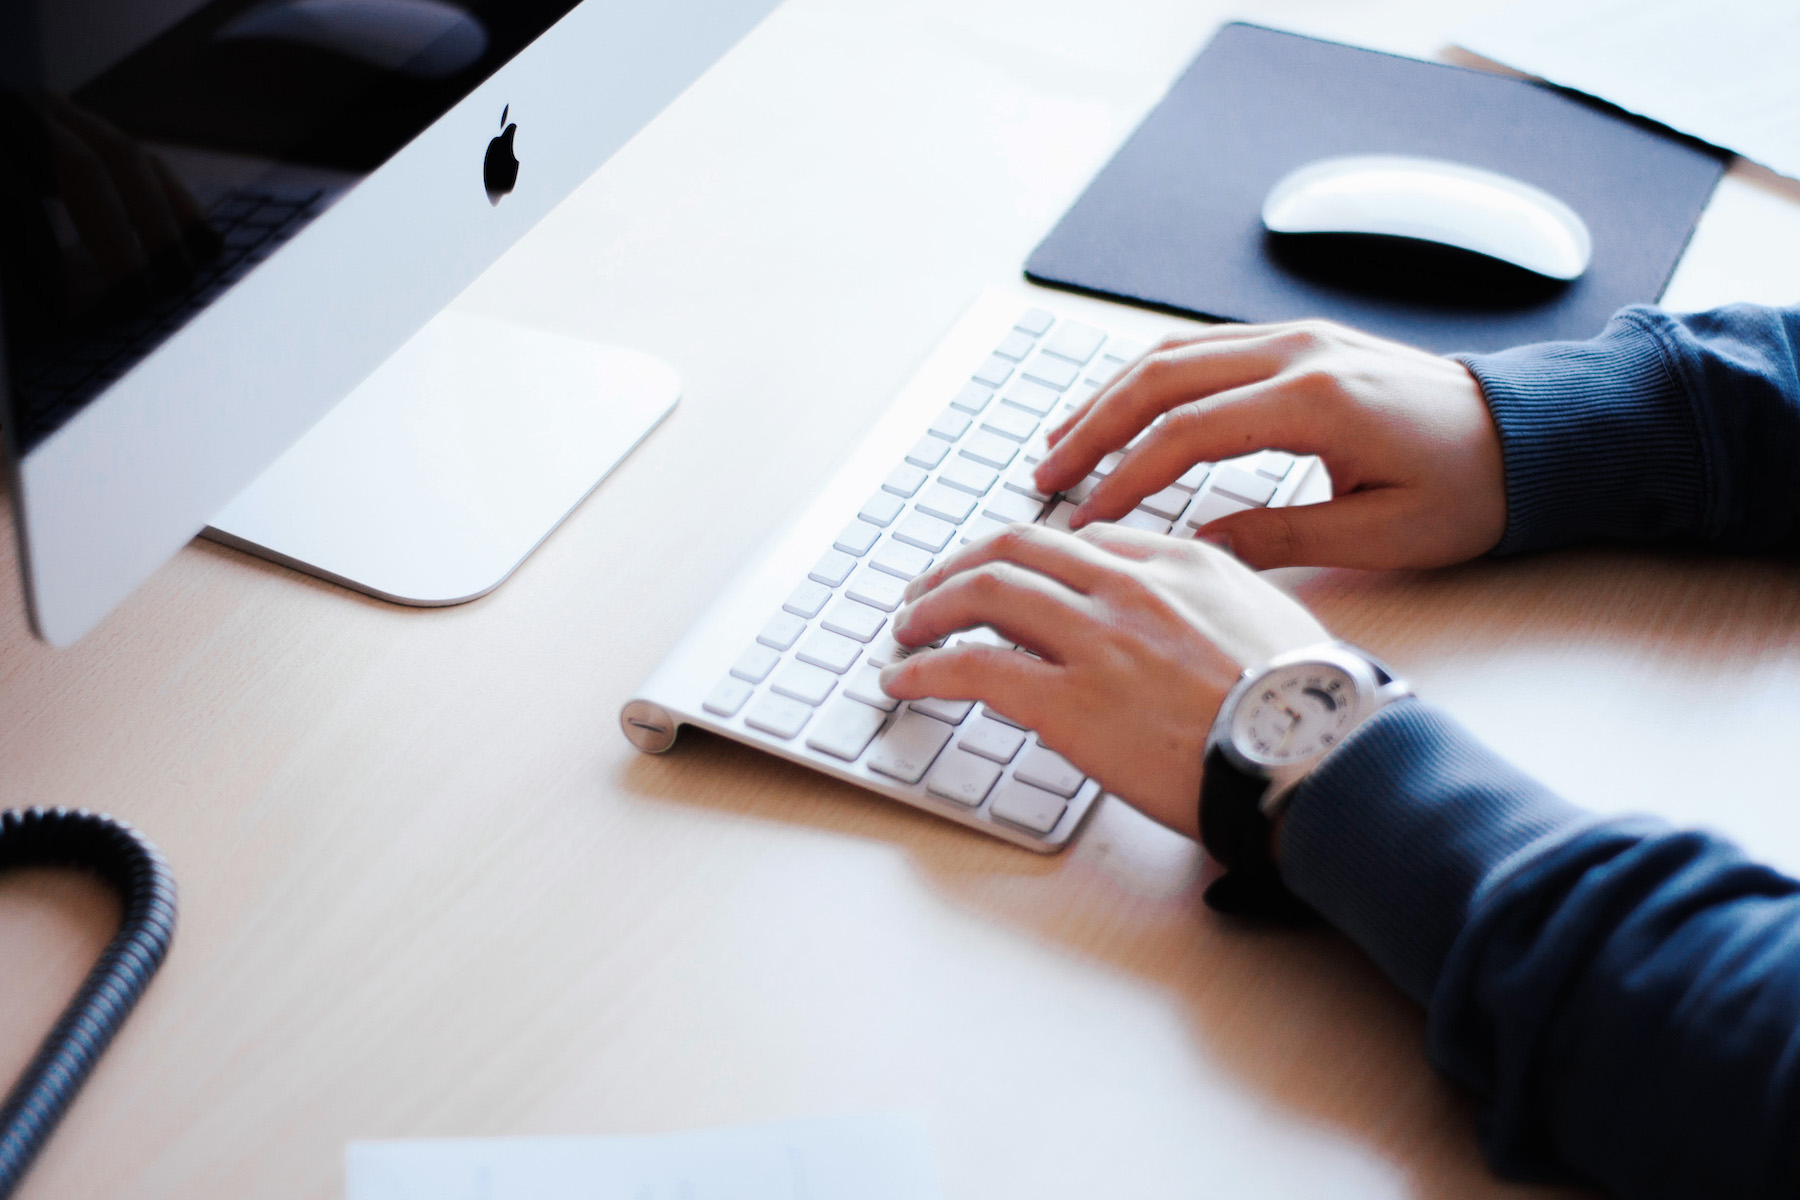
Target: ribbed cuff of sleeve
<point x="1391" y="835"/>
<point x="1599" y="438"/>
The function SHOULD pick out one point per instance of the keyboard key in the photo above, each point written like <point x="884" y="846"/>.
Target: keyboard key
<point x="950" y="425"/>
<point x="1110" y="463"/>
<point x="1037" y="449"/>
<point x="1032" y="397"/>
<point x="727" y="698"/>
<point x="968" y="475"/>
<point x="845" y="729"/>
<point x="906" y="748"/>
<point x="856" y="538"/>
<point x="877" y="589"/>
<point x="781" y="631"/>
<point x="1045" y="768"/>
<point x="1075" y="341"/>
<point x="962" y="778"/>
<point x="777" y="715"/>
<point x="988" y="712"/>
<point x="1085" y="488"/>
<point x="881" y="509"/>
<point x="864" y="685"/>
<point x="1124" y="350"/>
<point x="1008" y="421"/>
<point x="951" y="712"/>
<point x="928" y="452"/>
<point x="1022" y="479"/>
<point x="1036" y="322"/>
<point x="946" y="503"/>
<point x="904" y="480"/>
<point x="994" y="372"/>
<point x="981" y="527"/>
<point x="1243" y="485"/>
<point x="885" y="651"/>
<point x="972" y="399"/>
<point x="901" y="561"/>
<point x="1012" y="507"/>
<point x="925" y="532"/>
<point x="1194" y="476"/>
<point x="991" y="739"/>
<point x="832" y="569"/>
<point x="803" y="682"/>
<point x="1274" y="464"/>
<point x="1060" y="515"/>
<point x="832" y="651"/>
<point x="990" y="449"/>
<point x="1052" y="372"/>
<point x="1015" y="345"/>
<point x="1167" y="503"/>
<point x="807" y="599"/>
<point x="1139" y="518"/>
<point x="1209" y="506"/>
<point x="854" y="620"/>
<point x="1027" y="807"/>
<point x="754" y="665"/>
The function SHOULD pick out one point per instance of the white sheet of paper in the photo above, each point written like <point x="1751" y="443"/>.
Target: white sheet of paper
<point x="1724" y="71"/>
<point x="882" y="1157"/>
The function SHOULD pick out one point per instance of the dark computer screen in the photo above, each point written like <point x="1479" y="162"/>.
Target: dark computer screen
<point x="153" y="152"/>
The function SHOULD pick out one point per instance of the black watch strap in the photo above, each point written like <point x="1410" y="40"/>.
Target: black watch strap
<point x="1234" y="830"/>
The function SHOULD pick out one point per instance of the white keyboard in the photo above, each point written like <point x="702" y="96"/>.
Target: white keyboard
<point x="788" y="658"/>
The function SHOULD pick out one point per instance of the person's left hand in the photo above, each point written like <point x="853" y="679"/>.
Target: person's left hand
<point x="1137" y="638"/>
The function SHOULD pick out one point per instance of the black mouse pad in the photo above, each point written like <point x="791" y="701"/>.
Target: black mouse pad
<point x="1174" y="220"/>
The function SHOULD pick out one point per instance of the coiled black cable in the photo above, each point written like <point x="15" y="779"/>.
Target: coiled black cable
<point x="125" y="859"/>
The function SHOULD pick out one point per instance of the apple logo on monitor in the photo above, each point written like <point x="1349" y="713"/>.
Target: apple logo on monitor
<point x="500" y="169"/>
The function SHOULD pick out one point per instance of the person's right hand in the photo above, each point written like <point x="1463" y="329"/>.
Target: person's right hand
<point x="1414" y="455"/>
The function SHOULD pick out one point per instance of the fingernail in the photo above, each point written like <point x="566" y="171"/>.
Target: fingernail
<point x="1081" y="516"/>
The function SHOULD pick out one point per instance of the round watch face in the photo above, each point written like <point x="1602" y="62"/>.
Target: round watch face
<point x="1295" y="713"/>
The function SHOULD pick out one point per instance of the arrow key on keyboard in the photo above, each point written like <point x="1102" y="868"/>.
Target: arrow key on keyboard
<point x="1027" y="807"/>
<point x="962" y="778"/>
<point x="1045" y="768"/>
<point x="906" y="748"/>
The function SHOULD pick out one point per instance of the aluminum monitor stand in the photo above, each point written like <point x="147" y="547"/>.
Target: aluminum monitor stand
<point x="439" y="474"/>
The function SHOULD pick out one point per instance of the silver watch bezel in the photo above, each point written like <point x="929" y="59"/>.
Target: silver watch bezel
<point x="1376" y="687"/>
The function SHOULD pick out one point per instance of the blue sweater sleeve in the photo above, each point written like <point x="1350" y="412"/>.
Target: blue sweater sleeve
<point x="1664" y="427"/>
<point x="1624" y="999"/>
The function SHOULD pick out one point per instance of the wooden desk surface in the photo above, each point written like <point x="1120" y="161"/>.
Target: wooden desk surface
<point x="428" y="889"/>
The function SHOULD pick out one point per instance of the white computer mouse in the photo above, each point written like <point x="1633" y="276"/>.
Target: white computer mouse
<point x="1433" y="200"/>
<point x="426" y="39"/>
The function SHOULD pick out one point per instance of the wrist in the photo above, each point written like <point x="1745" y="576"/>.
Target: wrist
<point x="1278" y="722"/>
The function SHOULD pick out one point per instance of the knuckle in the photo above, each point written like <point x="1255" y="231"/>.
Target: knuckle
<point x="991" y="582"/>
<point x="1013" y="540"/>
<point x="1158" y="369"/>
<point x="1314" y="383"/>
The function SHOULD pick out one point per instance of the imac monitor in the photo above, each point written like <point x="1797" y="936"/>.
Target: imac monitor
<point x="220" y="218"/>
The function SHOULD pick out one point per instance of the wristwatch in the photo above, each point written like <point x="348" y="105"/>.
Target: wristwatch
<point x="1276" y="724"/>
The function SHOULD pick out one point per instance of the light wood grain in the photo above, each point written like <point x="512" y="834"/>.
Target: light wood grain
<point x="428" y="889"/>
